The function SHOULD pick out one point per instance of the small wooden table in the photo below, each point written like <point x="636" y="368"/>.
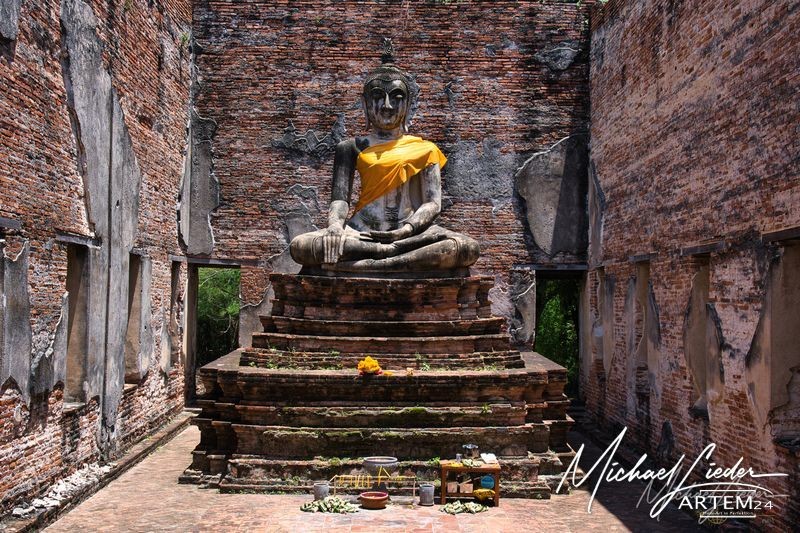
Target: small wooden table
<point x="484" y="469"/>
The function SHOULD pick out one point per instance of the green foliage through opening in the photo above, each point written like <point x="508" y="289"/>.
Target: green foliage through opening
<point x="557" y="325"/>
<point x="217" y="313"/>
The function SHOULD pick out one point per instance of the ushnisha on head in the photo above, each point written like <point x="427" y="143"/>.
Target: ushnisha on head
<point x="389" y="95"/>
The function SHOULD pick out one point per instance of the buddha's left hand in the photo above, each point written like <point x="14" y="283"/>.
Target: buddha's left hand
<point x="389" y="236"/>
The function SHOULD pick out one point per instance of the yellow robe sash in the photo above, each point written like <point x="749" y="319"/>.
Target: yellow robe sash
<point x="384" y="167"/>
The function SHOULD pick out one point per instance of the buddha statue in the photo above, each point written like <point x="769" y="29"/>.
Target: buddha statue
<point x="392" y="228"/>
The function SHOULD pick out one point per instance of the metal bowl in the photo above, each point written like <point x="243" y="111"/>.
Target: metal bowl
<point x="471" y="451"/>
<point x="375" y="463"/>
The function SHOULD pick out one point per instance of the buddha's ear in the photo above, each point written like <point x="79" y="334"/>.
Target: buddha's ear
<point x="364" y="108"/>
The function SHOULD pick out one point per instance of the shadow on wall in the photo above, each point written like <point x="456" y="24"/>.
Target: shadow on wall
<point x="773" y="364"/>
<point x="554" y="185"/>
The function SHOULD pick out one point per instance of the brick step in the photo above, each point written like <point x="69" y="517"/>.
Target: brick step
<point x="373" y="403"/>
<point x="382" y="328"/>
<point x="410" y="419"/>
<point x="208" y="467"/>
<point x="558" y="434"/>
<point x="556" y="408"/>
<point x="225" y="381"/>
<point x="260" y="386"/>
<point x="380" y="312"/>
<point x="282" y="442"/>
<point x="538" y="490"/>
<point x="379" y="345"/>
<point x="390" y="292"/>
<point x="229" y="485"/>
<point x="264" y="358"/>
<point x="495" y="414"/>
<point x="256" y="469"/>
<point x="519" y="476"/>
<point x="556" y="375"/>
<point x="550" y="463"/>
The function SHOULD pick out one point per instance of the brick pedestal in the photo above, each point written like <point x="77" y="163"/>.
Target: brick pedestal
<point x="293" y="409"/>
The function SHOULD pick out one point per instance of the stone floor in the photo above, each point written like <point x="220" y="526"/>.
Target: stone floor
<point x="148" y="498"/>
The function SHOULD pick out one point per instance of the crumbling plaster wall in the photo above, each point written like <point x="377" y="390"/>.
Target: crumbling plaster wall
<point x="91" y="152"/>
<point x="500" y="82"/>
<point x="693" y="161"/>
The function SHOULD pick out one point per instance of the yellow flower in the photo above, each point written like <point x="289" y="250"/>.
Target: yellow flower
<point x="388" y="373"/>
<point x="369" y="366"/>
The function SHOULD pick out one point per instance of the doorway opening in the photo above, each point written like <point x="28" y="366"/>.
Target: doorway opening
<point x="557" y="322"/>
<point x="212" y="319"/>
<point x="217" y="313"/>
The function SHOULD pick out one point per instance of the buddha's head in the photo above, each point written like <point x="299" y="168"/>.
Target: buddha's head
<point x="389" y="96"/>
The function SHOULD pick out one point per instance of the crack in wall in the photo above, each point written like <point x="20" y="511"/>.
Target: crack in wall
<point x="522" y="326"/>
<point x="560" y="57"/>
<point x="80" y="156"/>
<point x="48" y="368"/>
<point x="199" y="189"/>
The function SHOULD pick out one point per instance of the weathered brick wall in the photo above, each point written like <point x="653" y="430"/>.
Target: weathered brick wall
<point x="140" y="414"/>
<point x="143" y="46"/>
<point x="54" y="446"/>
<point x="694" y="142"/>
<point x="488" y="99"/>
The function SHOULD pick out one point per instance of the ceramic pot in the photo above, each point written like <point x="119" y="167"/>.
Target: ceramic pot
<point x="373" y="465"/>
<point x="373" y="500"/>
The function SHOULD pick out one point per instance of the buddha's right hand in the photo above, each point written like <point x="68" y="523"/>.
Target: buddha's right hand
<point x="333" y="244"/>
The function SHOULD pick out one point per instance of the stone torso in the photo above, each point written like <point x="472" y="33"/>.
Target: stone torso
<point x="390" y="210"/>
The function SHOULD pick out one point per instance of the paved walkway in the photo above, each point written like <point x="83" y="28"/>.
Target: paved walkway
<point x="148" y="498"/>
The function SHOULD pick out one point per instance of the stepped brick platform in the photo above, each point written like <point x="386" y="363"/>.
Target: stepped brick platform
<point x="292" y="409"/>
<point x="321" y="322"/>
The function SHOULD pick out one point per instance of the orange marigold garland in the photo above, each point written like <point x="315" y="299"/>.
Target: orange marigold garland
<point x="368" y="365"/>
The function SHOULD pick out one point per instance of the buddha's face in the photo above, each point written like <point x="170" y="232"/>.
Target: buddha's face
<point x="386" y="103"/>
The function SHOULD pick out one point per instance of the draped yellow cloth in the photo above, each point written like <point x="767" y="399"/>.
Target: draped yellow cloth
<point x="384" y="167"/>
